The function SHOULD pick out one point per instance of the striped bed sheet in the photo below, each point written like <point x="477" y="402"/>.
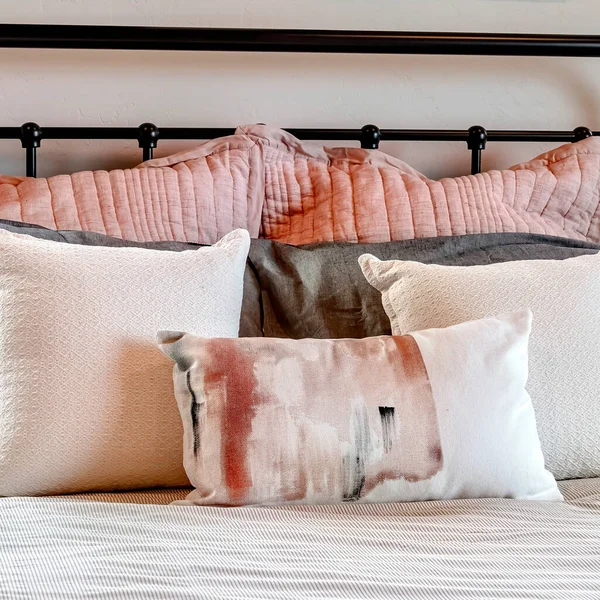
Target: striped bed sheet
<point x="131" y="545"/>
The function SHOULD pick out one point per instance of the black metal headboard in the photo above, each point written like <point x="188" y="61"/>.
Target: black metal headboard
<point x="290" y="40"/>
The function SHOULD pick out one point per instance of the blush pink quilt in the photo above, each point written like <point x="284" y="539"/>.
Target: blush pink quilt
<point x="267" y="181"/>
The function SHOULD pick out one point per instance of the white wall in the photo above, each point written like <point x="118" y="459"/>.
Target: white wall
<point x="95" y="88"/>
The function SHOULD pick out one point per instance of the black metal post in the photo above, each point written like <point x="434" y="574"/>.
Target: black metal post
<point x="581" y="133"/>
<point x="30" y="162"/>
<point x="370" y="136"/>
<point x="476" y="141"/>
<point x="31" y="137"/>
<point x="148" y="136"/>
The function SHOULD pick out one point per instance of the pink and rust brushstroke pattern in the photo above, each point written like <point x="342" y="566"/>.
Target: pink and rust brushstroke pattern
<point x="273" y="421"/>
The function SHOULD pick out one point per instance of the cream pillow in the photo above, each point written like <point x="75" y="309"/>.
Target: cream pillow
<point x="564" y="297"/>
<point x="436" y="414"/>
<point x="86" y="399"/>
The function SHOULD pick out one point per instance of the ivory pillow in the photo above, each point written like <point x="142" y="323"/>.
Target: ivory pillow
<point x="437" y="414"/>
<point x="85" y="397"/>
<point x="564" y="297"/>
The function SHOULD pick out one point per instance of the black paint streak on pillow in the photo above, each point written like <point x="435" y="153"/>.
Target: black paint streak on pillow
<point x="194" y="413"/>
<point x="387" y="425"/>
<point x="354" y="463"/>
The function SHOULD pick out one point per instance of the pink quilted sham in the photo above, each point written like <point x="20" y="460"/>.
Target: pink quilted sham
<point x="194" y="196"/>
<point x="270" y="183"/>
<point x="315" y="194"/>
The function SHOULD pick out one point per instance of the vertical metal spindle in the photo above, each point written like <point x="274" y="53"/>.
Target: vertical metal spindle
<point x="370" y="136"/>
<point x="581" y="133"/>
<point x="31" y="138"/>
<point x="30" y="162"/>
<point x="475" y="161"/>
<point x="148" y="136"/>
<point x="476" y="142"/>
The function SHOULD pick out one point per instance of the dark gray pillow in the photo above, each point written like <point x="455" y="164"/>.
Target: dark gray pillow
<point x="250" y="322"/>
<point x="319" y="291"/>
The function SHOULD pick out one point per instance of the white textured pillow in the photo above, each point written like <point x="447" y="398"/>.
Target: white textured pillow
<point x="564" y="297"/>
<point x="86" y="399"/>
<point x="436" y="414"/>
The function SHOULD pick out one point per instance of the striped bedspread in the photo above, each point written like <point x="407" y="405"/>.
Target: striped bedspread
<point x="118" y="546"/>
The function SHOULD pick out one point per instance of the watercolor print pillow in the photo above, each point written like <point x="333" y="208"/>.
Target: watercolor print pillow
<point x="437" y="414"/>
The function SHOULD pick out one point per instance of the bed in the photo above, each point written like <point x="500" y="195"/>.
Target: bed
<point x="134" y="544"/>
<point x="131" y="545"/>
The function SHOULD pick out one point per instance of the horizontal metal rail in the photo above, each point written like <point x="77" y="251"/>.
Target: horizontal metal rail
<point x="369" y="136"/>
<point x="294" y="40"/>
<point x="205" y="133"/>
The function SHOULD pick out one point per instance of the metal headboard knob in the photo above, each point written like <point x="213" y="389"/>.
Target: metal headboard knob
<point x="370" y="136"/>
<point x="581" y="133"/>
<point x="148" y="136"/>
<point x="31" y="138"/>
<point x="476" y="142"/>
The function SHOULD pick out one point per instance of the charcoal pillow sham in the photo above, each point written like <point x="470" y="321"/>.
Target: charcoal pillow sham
<point x="436" y="414"/>
<point x="318" y="291"/>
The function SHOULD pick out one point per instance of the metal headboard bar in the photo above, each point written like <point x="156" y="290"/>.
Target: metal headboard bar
<point x="148" y="135"/>
<point x="294" y="40"/>
<point x="290" y="40"/>
<point x="205" y="133"/>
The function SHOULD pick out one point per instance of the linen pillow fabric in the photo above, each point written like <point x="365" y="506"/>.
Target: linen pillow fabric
<point x="250" y="320"/>
<point x="318" y="291"/>
<point x="437" y="414"/>
<point x="85" y="397"/>
<point x="564" y="298"/>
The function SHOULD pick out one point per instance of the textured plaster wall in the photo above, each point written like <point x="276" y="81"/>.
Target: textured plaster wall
<point x="96" y="88"/>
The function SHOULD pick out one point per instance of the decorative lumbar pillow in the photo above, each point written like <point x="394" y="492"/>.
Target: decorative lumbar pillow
<point x="437" y="414"/>
<point x="85" y="396"/>
<point x="564" y="371"/>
